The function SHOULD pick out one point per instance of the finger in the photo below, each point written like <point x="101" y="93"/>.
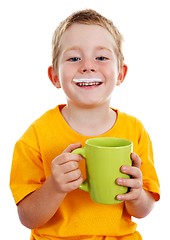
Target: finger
<point x="73" y="185"/>
<point x="136" y="161"/>
<point x="134" y="172"/>
<point x="130" y="183"/>
<point x="71" y="147"/>
<point x="128" y="196"/>
<point x="69" y="166"/>
<point x="66" y="157"/>
<point x="72" y="176"/>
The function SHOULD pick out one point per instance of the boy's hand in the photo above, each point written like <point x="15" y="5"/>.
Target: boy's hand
<point x="134" y="183"/>
<point x="65" y="170"/>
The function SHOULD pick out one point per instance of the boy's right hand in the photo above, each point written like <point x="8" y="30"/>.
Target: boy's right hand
<point x="65" y="170"/>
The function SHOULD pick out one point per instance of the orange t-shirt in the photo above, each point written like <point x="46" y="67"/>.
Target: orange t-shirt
<point x="78" y="217"/>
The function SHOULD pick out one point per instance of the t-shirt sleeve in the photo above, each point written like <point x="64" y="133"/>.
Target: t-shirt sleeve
<point x="27" y="172"/>
<point x="145" y="151"/>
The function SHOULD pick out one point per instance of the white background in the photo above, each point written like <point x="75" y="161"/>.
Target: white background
<point x="26" y="29"/>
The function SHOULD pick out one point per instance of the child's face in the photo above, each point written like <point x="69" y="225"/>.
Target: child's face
<point x="87" y="65"/>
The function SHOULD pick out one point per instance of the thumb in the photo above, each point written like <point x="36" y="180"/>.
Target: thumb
<point x="136" y="161"/>
<point x="71" y="147"/>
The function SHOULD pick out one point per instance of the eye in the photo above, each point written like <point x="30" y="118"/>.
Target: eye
<point x="101" y="58"/>
<point x="74" y="59"/>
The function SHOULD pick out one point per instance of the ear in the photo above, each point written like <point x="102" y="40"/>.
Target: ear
<point x="122" y="74"/>
<point x="53" y="77"/>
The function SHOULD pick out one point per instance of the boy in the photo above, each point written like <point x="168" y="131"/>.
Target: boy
<point x="88" y="63"/>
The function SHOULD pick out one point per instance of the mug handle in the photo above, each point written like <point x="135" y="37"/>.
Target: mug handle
<point x="84" y="186"/>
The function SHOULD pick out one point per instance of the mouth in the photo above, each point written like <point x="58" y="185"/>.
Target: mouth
<point x="87" y="82"/>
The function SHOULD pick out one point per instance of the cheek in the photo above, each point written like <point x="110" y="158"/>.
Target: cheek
<point x="109" y="69"/>
<point x="66" y="71"/>
<point x="111" y="77"/>
<point x="66" y="82"/>
<point x="63" y="76"/>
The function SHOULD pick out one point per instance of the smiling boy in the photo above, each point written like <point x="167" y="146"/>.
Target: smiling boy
<point x="87" y="63"/>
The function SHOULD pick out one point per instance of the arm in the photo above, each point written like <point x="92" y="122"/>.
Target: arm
<point x="138" y="202"/>
<point x="39" y="207"/>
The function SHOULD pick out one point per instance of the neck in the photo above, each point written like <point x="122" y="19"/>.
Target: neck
<point x="89" y="121"/>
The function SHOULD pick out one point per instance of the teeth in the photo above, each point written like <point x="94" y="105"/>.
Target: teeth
<point x="88" y="84"/>
<point x="81" y="82"/>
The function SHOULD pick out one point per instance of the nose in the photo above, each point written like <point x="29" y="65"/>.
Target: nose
<point x="88" y="66"/>
<point x="90" y="70"/>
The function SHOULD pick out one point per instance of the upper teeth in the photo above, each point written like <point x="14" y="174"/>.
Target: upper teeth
<point x="87" y="84"/>
<point x="87" y="81"/>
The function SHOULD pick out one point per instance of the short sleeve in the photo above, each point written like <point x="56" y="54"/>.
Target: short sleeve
<point x="27" y="172"/>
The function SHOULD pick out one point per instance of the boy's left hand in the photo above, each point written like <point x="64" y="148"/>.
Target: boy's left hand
<point x="135" y="183"/>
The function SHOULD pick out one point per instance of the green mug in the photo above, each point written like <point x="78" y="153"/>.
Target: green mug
<point x="104" y="157"/>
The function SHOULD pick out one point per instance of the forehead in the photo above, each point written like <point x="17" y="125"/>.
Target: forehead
<point x="78" y="34"/>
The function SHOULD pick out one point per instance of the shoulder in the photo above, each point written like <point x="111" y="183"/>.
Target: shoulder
<point x="50" y="119"/>
<point x="48" y="115"/>
<point x="128" y="119"/>
<point x="131" y="127"/>
<point x="43" y="124"/>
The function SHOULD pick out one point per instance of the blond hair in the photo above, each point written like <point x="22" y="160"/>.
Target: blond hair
<point x="88" y="17"/>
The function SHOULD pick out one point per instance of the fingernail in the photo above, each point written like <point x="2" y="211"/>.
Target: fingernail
<point x="119" y="181"/>
<point x="119" y="197"/>
<point x="123" y="169"/>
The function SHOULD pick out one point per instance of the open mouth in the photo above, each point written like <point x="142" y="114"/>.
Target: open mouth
<point x="87" y="82"/>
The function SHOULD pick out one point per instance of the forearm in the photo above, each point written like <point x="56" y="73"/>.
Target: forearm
<point x="142" y="206"/>
<point x="39" y="207"/>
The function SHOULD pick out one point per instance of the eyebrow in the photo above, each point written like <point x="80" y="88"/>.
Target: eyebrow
<point x="79" y="49"/>
<point x="72" y="49"/>
<point x="104" y="48"/>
